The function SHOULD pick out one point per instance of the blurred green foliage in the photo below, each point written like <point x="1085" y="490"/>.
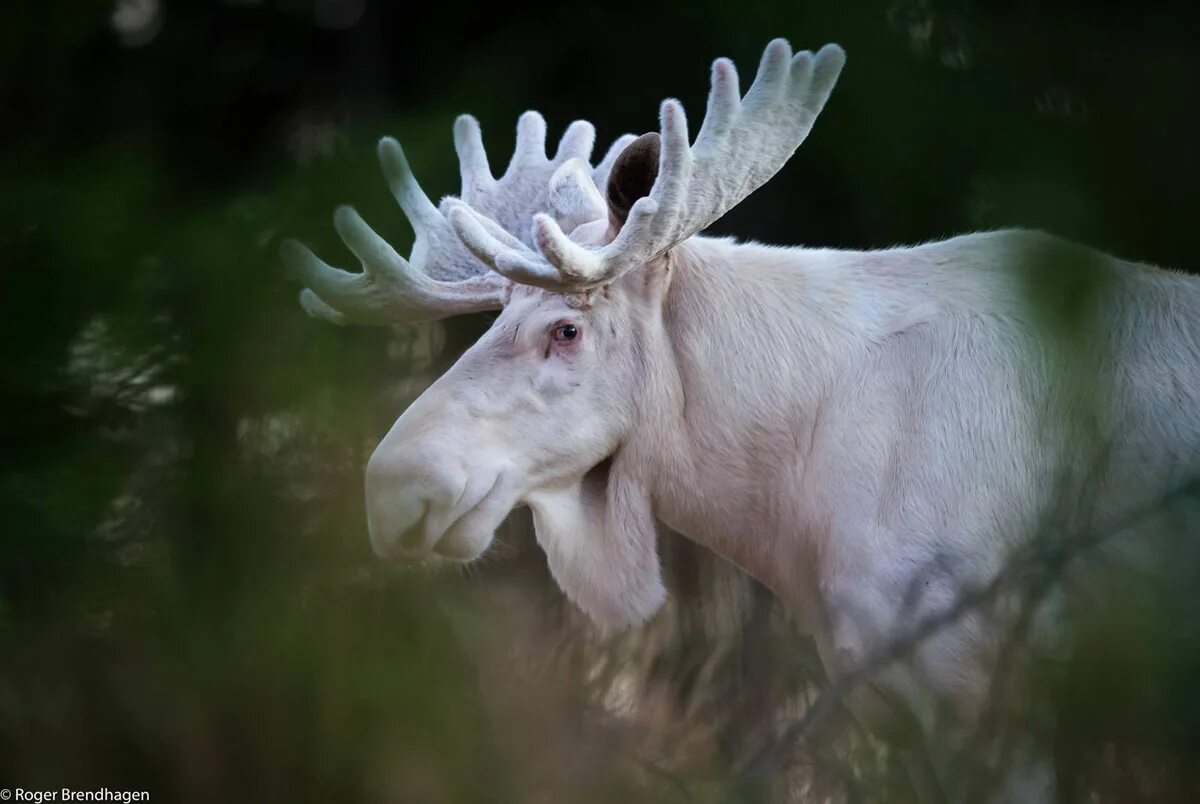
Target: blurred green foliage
<point x="187" y="600"/>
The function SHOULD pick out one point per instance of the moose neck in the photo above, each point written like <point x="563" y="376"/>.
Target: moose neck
<point x="757" y="336"/>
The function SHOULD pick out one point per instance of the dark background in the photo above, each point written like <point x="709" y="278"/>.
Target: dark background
<point x="188" y="604"/>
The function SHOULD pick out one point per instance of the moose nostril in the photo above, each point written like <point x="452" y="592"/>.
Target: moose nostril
<point x="413" y="537"/>
<point x="394" y="517"/>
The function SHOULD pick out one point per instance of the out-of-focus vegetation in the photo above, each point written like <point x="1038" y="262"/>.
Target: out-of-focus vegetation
<point x="188" y="604"/>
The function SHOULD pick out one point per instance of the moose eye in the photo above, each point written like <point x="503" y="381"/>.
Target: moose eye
<point x="566" y="332"/>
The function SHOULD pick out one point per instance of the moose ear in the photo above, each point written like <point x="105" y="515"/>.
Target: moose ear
<point x="601" y="543"/>
<point x="632" y="176"/>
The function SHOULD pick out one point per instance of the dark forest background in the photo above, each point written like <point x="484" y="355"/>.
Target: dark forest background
<point x="188" y="602"/>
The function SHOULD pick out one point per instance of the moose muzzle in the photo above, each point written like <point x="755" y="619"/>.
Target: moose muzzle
<point x="429" y="493"/>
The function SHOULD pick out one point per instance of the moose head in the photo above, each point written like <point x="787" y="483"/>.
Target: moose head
<point x="567" y="403"/>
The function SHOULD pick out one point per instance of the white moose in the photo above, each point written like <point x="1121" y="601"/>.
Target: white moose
<point x="834" y="422"/>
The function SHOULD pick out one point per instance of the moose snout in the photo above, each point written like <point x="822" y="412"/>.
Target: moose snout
<point x="409" y="497"/>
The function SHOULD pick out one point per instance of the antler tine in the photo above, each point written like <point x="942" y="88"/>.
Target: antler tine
<point x="576" y="143"/>
<point x="741" y="144"/>
<point x="472" y="157"/>
<point x="440" y="279"/>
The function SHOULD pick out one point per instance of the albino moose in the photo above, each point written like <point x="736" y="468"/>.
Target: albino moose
<point x="863" y="432"/>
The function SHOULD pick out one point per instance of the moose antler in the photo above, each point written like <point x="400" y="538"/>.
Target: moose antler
<point x="441" y="277"/>
<point x="742" y="143"/>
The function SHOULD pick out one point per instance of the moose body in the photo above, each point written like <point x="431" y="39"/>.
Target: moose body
<point x="866" y="433"/>
<point x="897" y="425"/>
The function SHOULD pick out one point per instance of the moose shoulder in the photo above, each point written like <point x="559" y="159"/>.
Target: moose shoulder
<point x="867" y="433"/>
